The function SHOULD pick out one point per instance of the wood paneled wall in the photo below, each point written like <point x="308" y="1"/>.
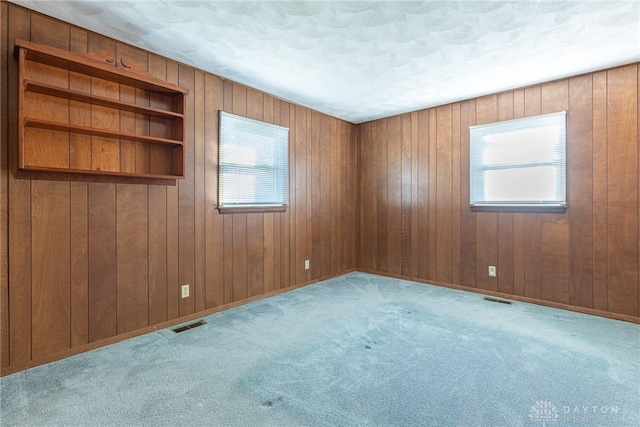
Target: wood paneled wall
<point x="415" y="220"/>
<point x="86" y="264"/>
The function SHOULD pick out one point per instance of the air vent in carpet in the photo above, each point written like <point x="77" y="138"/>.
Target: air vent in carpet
<point x="501" y="301"/>
<point x="189" y="326"/>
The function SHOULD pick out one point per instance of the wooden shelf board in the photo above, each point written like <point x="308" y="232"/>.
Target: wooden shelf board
<point x="31" y="86"/>
<point x="88" y="173"/>
<point x="80" y="63"/>
<point x="65" y="127"/>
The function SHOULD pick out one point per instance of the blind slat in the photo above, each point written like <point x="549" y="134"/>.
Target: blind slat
<point x="520" y="161"/>
<point x="254" y="162"/>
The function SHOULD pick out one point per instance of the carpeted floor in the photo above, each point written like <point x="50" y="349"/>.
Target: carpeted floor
<point x="357" y="350"/>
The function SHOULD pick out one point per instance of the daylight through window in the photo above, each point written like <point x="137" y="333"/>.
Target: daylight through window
<point x="254" y="164"/>
<point x="519" y="163"/>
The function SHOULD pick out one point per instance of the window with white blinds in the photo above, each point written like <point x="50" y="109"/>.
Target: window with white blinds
<point x="253" y="164"/>
<point x="519" y="163"/>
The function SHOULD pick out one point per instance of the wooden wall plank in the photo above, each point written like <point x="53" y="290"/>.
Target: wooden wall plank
<point x="600" y="274"/>
<point x="455" y="194"/>
<point x="444" y="194"/>
<point x="293" y="182"/>
<point x="432" y="250"/>
<point x="407" y="186"/>
<point x="308" y="223"/>
<point x="423" y="194"/>
<point x="301" y="232"/>
<point x="4" y="190"/>
<point x="382" y="206"/>
<point x="186" y="199"/>
<point x="622" y="190"/>
<point x="394" y="195"/>
<point x="328" y="195"/>
<point x="19" y="216"/>
<point x="102" y="261"/>
<point x="200" y="119"/>
<point x="214" y="249"/>
<point x="314" y="190"/>
<point x="365" y="187"/>
<point x="415" y="195"/>
<point x="50" y="240"/>
<point x="79" y="273"/>
<point x="132" y="288"/>
<point x="580" y="190"/>
<point x="157" y="252"/>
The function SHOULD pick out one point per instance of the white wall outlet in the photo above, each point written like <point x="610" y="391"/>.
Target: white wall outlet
<point x="492" y="271"/>
<point x="185" y="291"/>
<point x="306" y="264"/>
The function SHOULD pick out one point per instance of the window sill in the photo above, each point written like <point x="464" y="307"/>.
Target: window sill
<point x="520" y="208"/>
<point x="251" y="209"/>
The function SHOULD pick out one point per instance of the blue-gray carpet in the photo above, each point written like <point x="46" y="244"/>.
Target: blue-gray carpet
<point x="357" y="350"/>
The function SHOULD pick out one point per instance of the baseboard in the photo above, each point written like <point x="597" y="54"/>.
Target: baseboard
<point x="584" y="310"/>
<point x="12" y="369"/>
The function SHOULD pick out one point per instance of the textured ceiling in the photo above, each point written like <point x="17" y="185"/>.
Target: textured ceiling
<point x="364" y="60"/>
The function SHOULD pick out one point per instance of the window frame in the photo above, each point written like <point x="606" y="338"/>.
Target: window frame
<point x="560" y="164"/>
<point x="251" y="207"/>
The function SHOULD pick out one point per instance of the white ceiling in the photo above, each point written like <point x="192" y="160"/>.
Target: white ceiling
<point x="362" y="60"/>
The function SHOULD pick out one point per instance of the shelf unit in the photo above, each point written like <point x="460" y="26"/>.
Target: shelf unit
<point x="90" y="116"/>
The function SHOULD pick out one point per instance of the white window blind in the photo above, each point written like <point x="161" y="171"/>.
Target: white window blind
<point x="519" y="163"/>
<point x="253" y="163"/>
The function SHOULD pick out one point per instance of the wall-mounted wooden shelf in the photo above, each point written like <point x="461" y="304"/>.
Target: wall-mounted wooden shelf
<point x="83" y="115"/>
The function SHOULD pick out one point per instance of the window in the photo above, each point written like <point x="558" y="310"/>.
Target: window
<point x="254" y="165"/>
<point x="519" y="164"/>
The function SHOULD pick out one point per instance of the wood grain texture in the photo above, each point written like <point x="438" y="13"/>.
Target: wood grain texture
<point x="4" y="192"/>
<point x="102" y="261"/>
<point x="444" y="194"/>
<point x="393" y="227"/>
<point x="19" y="215"/>
<point x="129" y="247"/>
<point x="132" y="289"/>
<point x="586" y="257"/>
<point x="50" y="242"/>
<point x="389" y="196"/>
<point x="622" y="190"/>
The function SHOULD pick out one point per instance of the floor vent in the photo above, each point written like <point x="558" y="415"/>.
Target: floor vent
<point x="501" y="301"/>
<point x="189" y="326"/>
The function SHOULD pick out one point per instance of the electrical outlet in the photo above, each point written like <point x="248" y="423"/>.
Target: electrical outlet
<point x="306" y="264"/>
<point x="492" y="271"/>
<point x="185" y="290"/>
